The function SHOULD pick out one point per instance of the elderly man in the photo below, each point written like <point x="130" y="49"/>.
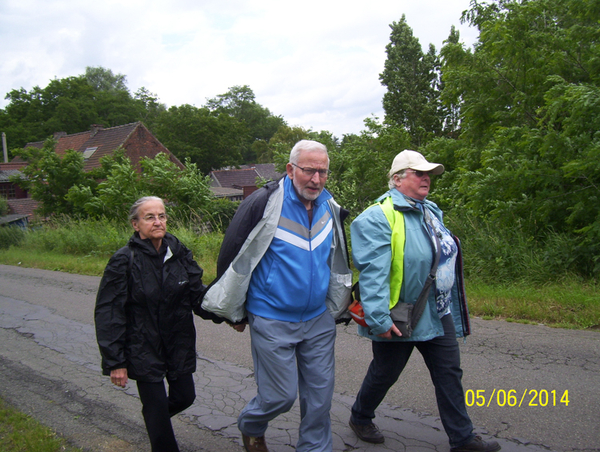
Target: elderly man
<point x="284" y="261"/>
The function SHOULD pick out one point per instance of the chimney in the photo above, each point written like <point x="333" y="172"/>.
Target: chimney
<point x="95" y="129"/>
<point x="4" y="148"/>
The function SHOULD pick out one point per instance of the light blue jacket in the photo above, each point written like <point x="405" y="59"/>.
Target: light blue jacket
<point x="371" y="251"/>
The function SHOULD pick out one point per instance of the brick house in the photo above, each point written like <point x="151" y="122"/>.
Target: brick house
<point x="134" y="138"/>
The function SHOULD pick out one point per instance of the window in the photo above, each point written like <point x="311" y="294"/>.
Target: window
<point x="89" y="152"/>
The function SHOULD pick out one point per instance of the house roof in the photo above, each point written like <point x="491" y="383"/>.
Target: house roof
<point x="221" y="192"/>
<point x="96" y="143"/>
<point x="5" y="174"/>
<point x="243" y="177"/>
<point x="12" y="218"/>
<point x="235" y="178"/>
<point x="24" y="206"/>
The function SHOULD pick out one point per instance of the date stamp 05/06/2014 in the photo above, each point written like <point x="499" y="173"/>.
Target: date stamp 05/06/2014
<point x="514" y="398"/>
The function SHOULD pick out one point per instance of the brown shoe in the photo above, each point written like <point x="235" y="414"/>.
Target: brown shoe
<point x="254" y="444"/>
<point x="478" y="445"/>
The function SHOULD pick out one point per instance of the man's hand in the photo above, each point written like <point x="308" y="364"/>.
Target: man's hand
<point x="239" y="327"/>
<point x="118" y="377"/>
<point x="388" y="334"/>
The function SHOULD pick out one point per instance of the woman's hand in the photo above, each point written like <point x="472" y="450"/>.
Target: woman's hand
<point x="118" y="377"/>
<point x="388" y="334"/>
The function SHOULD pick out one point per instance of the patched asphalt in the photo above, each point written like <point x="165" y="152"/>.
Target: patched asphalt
<point x="519" y="374"/>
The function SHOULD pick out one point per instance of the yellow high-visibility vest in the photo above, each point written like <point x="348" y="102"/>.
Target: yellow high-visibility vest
<point x="396" y="220"/>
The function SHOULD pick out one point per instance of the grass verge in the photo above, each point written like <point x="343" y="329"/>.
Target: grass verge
<point x="21" y="433"/>
<point x="566" y="304"/>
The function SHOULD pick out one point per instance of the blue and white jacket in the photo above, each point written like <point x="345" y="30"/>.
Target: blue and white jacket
<point x="270" y="261"/>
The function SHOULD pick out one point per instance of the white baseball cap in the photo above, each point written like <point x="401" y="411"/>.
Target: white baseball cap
<point x="415" y="161"/>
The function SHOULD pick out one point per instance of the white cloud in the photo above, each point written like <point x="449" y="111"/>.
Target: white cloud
<point x="316" y="63"/>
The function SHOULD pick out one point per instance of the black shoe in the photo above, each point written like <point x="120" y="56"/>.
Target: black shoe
<point x="368" y="432"/>
<point x="478" y="445"/>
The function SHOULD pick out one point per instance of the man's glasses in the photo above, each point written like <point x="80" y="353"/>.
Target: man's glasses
<point x="311" y="171"/>
<point x="152" y="218"/>
<point x="419" y="173"/>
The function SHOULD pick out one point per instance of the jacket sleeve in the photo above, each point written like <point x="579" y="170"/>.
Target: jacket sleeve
<point x="109" y="314"/>
<point x="247" y="216"/>
<point x="197" y="288"/>
<point x="372" y="255"/>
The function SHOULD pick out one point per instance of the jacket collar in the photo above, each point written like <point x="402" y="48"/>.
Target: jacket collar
<point x="290" y="192"/>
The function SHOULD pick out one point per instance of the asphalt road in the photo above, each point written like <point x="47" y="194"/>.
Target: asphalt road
<point x="521" y="375"/>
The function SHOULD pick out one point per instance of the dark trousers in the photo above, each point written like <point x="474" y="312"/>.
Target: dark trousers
<point x="442" y="357"/>
<point x="157" y="409"/>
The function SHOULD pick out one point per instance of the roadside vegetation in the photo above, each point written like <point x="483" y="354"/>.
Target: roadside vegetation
<point x="507" y="276"/>
<point x="21" y="433"/>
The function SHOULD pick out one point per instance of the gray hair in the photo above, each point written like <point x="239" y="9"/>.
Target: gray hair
<point x="135" y="207"/>
<point x="307" y="145"/>
<point x="401" y="173"/>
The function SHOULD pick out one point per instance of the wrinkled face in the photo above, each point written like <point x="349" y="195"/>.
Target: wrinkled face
<point x="416" y="184"/>
<point x="309" y="187"/>
<point x="148" y="222"/>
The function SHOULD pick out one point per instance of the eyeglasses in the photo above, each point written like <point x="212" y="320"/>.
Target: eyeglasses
<point x="419" y="173"/>
<point x="152" y="218"/>
<point x="311" y="171"/>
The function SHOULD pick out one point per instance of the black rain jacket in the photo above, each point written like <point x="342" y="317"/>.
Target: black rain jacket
<point x="144" y="319"/>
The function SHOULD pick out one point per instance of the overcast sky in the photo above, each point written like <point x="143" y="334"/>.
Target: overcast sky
<point x="315" y="62"/>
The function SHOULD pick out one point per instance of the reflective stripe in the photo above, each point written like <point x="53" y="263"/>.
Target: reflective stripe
<point x="292" y="239"/>
<point x="321" y="223"/>
<point x="396" y="221"/>
<point x="320" y="238"/>
<point x="292" y="226"/>
<point x="300" y="236"/>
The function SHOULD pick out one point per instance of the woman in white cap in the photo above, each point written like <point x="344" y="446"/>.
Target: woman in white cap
<point x="417" y="301"/>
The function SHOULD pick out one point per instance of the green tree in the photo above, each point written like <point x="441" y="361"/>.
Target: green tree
<point x="361" y="162"/>
<point x="186" y="192"/>
<point x="101" y="79"/>
<point x="528" y="100"/>
<point x="258" y="123"/>
<point x="71" y="105"/>
<point x="49" y="176"/>
<point x="207" y="140"/>
<point x="412" y="78"/>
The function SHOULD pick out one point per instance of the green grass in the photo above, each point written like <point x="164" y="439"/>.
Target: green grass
<point x="21" y="433"/>
<point x="565" y="304"/>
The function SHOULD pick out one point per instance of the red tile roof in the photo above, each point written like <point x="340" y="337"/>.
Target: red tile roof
<point x="24" y="206"/>
<point x="106" y="141"/>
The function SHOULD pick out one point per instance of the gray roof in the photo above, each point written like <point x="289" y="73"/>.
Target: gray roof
<point x="5" y="174"/>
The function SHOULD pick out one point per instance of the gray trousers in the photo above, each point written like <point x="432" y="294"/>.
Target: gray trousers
<point x="291" y="358"/>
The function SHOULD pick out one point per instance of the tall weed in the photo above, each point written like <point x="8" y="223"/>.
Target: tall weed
<point x="80" y="236"/>
<point x="510" y="255"/>
<point x="11" y="235"/>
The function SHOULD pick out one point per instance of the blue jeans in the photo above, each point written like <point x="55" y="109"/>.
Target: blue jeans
<point x="442" y="357"/>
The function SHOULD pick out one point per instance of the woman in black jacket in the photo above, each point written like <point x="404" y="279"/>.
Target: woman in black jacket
<point x="144" y="319"/>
